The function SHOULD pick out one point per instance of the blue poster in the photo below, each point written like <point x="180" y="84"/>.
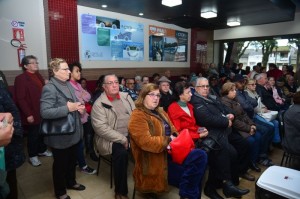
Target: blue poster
<point x="111" y="39"/>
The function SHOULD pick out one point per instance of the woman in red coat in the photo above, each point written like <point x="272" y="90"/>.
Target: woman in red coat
<point x="181" y="112"/>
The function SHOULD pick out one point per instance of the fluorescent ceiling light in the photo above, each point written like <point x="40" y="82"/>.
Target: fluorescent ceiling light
<point x="141" y="14"/>
<point x="233" y="23"/>
<point x="208" y="14"/>
<point x="171" y="3"/>
<point x="104" y="6"/>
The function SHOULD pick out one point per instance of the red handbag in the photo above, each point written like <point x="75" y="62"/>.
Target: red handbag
<point x="88" y="107"/>
<point x="181" y="146"/>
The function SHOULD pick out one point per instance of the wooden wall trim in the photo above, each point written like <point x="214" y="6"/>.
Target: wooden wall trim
<point x="94" y="74"/>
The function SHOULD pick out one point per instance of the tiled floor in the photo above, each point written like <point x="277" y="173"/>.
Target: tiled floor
<point x="36" y="182"/>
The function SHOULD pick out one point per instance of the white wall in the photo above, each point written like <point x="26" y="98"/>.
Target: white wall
<point x="132" y="64"/>
<point x="283" y="28"/>
<point x="32" y="13"/>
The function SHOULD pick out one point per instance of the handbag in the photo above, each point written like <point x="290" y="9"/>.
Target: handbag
<point x="209" y="144"/>
<point x="181" y="146"/>
<point x="59" y="126"/>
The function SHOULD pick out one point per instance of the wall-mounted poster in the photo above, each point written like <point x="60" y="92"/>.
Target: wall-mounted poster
<point x="167" y="44"/>
<point x="111" y="39"/>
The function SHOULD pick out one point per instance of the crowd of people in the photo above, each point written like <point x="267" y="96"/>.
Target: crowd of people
<point x="142" y="116"/>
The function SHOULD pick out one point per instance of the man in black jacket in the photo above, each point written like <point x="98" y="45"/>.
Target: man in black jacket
<point x="210" y="113"/>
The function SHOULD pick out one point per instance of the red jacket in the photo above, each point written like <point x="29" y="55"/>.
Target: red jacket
<point x="182" y="120"/>
<point x="27" y="95"/>
<point x="276" y="73"/>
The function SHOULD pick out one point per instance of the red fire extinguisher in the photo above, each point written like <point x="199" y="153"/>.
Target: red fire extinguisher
<point x="21" y="54"/>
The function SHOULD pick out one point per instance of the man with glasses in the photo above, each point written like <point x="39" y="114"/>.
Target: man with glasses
<point x="130" y="88"/>
<point x="110" y="116"/>
<point x="210" y="113"/>
<point x="28" y="90"/>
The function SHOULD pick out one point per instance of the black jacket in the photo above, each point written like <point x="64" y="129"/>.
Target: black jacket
<point x="14" y="153"/>
<point x="210" y="113"/>
<point x="267" y="98"/>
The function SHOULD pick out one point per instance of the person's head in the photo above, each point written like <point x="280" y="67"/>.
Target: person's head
<point x="261" y="79"/>
<point x="138" y="79"/>
<point x="168" y="73"/>
<point x="280" y="82"/>
<point x="83" y="83"/>
<point x="290" y="80"/>
<point x="59" y="68"/>
<point x="271" y="81"/>
<point x="272" y="66"/>
<point x="130" y="83"/>
<point x="164" y="84"/>
<point x="240" y="65"/>
<point x="296" y="98"/>
<point x="121" y="81"/>
<point x="75" y="69"/>
<point x="182" y="91"/>
<point x="239" y="82"/>
<point x="155" y="77"/>
<point x="256" y="68"/>
<point x="145" y="79"/>
<point x="213" y="81"/>
<point x="202" y="87"/>
<point x="148" y="97"/>
<point x="111" y="85"/>
<point x="30" y="64"/>
<point x="100" y="81"/>
<point x="248" y="68"/>
<point x="228" y="89"/>
<point x="251" y="85"/>
<point x="284" y="69"/>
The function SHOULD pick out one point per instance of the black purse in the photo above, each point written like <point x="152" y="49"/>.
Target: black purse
<point x="59" y="126"/>
<point x="209" y="144"/>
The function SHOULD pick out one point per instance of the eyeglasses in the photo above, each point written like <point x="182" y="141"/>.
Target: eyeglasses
<point x="152" y="95"/>
<point x="34" y="63"/>
<point x="112" y="83"/>
<point x="65" y="69"/>
<point x="203" y="86"/>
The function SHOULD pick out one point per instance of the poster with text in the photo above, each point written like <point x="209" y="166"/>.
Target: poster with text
<point x="111" y="39"/>
<point x="167" y="44"/>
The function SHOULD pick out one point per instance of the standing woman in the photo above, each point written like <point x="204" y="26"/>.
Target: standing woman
<point x="58" y="100"/>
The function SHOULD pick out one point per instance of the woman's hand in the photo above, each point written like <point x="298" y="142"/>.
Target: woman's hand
<point x="74" y="106"/>
<point x="203" y="132"/>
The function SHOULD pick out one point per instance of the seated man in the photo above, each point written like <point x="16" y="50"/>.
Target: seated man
<point x="166" y="94"/>
<point x="110" y="116"/>
<point x="130" y="89"/>
<point x="209" y="112"/>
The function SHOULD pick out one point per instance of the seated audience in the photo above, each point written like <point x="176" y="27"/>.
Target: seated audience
<point x="274" y="71"/>
<point x="291" y="137"/>
<point x="150" y="132"/>
<point x="110" y="116"/>
<point x="210" y="113"/>
<point x="167" y="96"/>
<point x="130" y="89"/>
<point x="145" y="80"/>
<point x="155" y="78"/>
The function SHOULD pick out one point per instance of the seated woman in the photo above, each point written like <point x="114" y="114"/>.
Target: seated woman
<point x="242" y="123"/>
<point x="150" y="132"/>
<point x="181" y="112"/>
<point x="261" y="108"/>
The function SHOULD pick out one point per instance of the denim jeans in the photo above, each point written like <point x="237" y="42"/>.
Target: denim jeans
<point x="275" y="124"/>
<point x="80" y="154"/>
<point x="254" y="142"/>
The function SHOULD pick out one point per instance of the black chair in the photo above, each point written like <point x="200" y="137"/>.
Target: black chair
<point x="288" y="157"/>
<point x="108" y="160"/>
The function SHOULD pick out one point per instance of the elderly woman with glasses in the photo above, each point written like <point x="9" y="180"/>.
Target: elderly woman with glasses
<point x="151" y="132"/>
<point x="57" y="101"/>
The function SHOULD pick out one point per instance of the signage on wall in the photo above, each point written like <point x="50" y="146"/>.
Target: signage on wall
<point x="167" y="44"/>
<point x="111" y="39"/>
<point x="18" y="34"/>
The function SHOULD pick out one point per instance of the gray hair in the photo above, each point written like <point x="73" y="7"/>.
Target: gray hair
<point x="201" y="79"/>
<point x="259" y="76"/>
<point x="138" y="78"/>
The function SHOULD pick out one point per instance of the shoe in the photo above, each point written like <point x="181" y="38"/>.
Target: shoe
<point x="211" y="193"/>
<point x="119" y="196"/>
<point x="94" y="157"/>
<point x="63" y="197"/>
<point x="266" y="162"/>
<point x="151" y="196"/>
<point x="253" y="166"/>
<point x="35" y="161"/>
<point x="77" y="187"/>
<point x="88" y="170"/>
<point x="47" y="153"/>
<point x="229" y="190"/>
<point x="247" y="176"/>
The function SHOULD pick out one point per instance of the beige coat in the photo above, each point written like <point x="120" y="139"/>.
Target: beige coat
<point x="104" y="121"/>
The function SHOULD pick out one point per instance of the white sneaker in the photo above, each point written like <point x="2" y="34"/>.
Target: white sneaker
<point x="35" y="161"/>
<point x="47" y="153"/>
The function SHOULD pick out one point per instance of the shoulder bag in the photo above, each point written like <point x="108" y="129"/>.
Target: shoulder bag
<point x="59" y="126"/>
